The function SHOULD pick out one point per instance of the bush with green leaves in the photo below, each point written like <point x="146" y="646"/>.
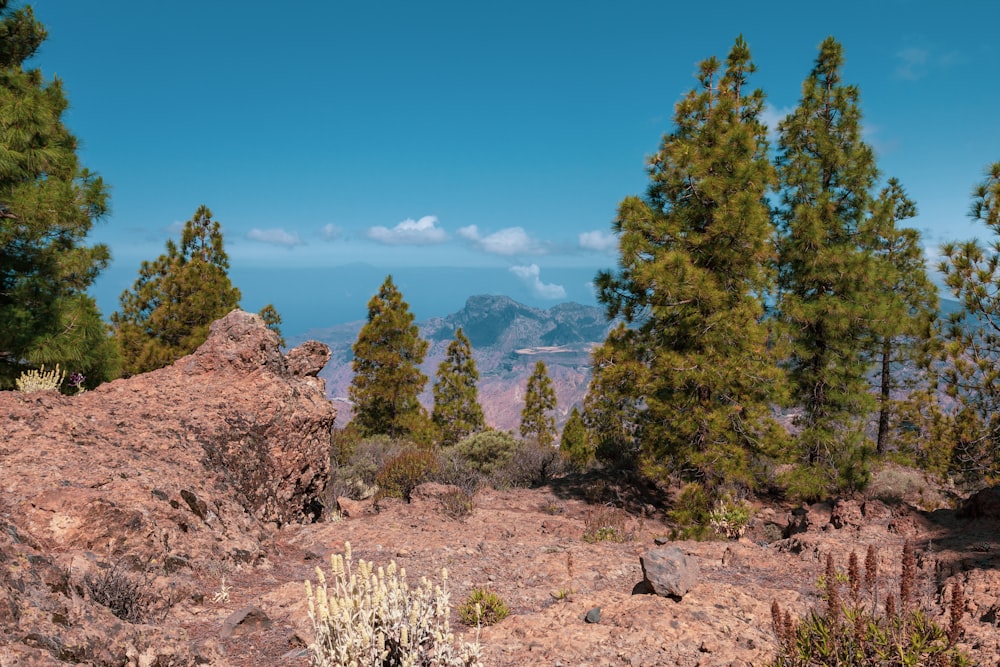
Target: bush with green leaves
<point x="365" y="615"/>
<point x="487" y="451"/>
<point x="691" y="513"/>
<point x="405" y="472"/>
<point x="861" y="625"/>
<point x="483" y="607"/>
<point x="730" y="518"/>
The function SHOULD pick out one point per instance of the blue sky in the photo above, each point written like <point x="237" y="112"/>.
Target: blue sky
<point x="468" y="147"/>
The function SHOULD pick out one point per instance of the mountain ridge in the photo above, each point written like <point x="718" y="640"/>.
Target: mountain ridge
<point x="507" y="337"/>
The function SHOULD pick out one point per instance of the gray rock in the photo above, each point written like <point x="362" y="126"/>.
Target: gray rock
<point x="669" y="571"/>
<point x="593" y="616"/>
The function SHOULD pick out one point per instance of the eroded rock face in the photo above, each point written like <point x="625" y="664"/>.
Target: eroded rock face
<point x="191" y="464"/>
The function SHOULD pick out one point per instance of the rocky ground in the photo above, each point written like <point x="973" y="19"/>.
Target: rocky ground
<point x="191" y="492"/>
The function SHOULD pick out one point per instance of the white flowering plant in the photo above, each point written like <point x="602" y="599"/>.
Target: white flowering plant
<point x="366" y="616"/>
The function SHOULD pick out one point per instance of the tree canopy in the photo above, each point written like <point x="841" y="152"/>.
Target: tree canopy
<point x="692" y="366"/>
<point x="48" y="205"/>
<point x="538" y="421"/>
<point x="457" y="412"/>
<point x="387" y="378"/>
<point x="169" y="309"/>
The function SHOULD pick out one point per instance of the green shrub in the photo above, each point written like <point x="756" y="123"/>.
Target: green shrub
<point x="487" y="451"/>
<point x="855" y="628"/>
<point x="368" y="616"/>
<point x="691" y="513"/>
<point x="729" y="518"/>
<point x="40" y="380"/>
<point x="806" y="483"/>
<point x="483" y="607"/>
<point x="405" y="472"/>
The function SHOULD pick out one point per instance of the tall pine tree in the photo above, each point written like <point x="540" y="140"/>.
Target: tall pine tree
<point x="387" y="377"/>
<point x="828" y="278"/>
<point x="694" y="373"/>
<point x="538" y="421"/>
<point x="972" y="339"/>
<point x="48" y="205"/>
<point x="906" y="312"/>
<point x="457" y="412"/>
<point x="169" y="309"/>
<point x="573" y="443"/>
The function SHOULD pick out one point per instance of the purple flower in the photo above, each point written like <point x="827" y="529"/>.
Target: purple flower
<point x="77" y="380"/>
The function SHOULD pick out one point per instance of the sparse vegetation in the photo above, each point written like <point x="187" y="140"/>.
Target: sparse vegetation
<point x="33" y="380"/>
<point x="863" y="625"/>
<point x="129" y="595"/>
<point x="457" y="504"/>
<point x="483" y="607"/>
<point x="370" y="616"/>
<point x="607" y="523"/>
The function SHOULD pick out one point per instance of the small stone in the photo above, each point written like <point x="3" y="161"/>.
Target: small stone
<point x="593" y="616"/>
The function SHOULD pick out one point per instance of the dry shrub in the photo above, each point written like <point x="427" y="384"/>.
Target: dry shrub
<point x="457" y="504"/>
<point x="531" y="465"/>
<point x="129" y="595"/>
<point x="607" y="523"/>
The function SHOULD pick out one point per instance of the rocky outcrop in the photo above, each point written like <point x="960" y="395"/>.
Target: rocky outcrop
<point x="161" y="474"/>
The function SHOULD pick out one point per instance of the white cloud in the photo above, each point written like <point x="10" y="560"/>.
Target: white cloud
<point x="598" y="240"/>
<point x="912" y="63"/>
<point x="275" y="236"/>
<point x="330" y="232"/>
<point x="771" y="115"/>
<point x="410" y="232"/>
<point x="506" y="242"/>
<point x="531" y="276"/>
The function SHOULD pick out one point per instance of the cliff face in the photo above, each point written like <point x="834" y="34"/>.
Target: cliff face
<point x="507" y="339"/>
<point x="189" y="465"/>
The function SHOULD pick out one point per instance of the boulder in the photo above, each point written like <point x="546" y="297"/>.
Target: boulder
<point x="669" y="572"/>
<point x="154" y="476"/>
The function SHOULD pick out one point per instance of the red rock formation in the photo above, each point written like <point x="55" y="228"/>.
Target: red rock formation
<point x="191" y="464"/>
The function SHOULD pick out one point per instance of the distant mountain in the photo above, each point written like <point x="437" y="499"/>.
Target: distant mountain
<point x="507" y="339"/>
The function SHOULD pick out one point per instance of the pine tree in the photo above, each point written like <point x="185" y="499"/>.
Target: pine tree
<point x="273" y="321"/>
<point x="693" y="374"/>
<point x="828" y="287"/>
<point x="387" y="377"/>
<point x="614" y="409"/>
<point x="457" y="412"/>
<point x="573" y="444"/>
<point x="972" y="339"/>
<point x="169" y="309"/>
<point x="538" y="423"/>
<point x="48" y="205"/>
<point x="906" y="312"/>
